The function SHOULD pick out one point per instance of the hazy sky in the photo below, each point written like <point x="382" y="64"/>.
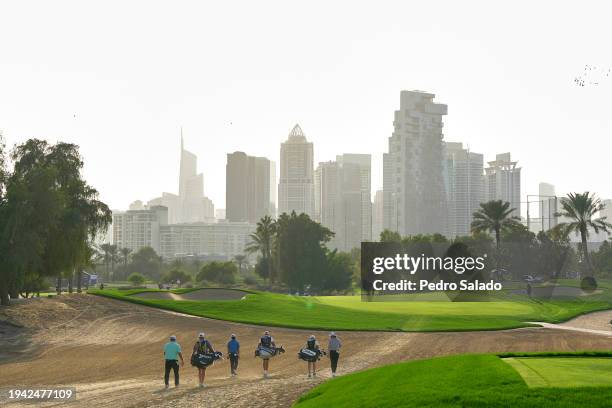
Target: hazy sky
<point x="120" y="78"/>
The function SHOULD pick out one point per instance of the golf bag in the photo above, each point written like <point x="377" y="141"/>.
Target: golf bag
<point x="206" y="359"/>
<point x="268" y="352"/>
<point x="309" y="355"/>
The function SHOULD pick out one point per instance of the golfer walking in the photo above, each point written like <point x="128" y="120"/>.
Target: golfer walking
<point x="172" y="352"/>
<point x="334" y="351"/>
<point x="233" y="351"/>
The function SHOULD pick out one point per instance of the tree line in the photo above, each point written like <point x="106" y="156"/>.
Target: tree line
<point x="292" y="251"/>
<point x="49" y="216"/>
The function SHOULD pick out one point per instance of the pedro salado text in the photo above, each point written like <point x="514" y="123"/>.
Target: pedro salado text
<point x="394" y="269"/>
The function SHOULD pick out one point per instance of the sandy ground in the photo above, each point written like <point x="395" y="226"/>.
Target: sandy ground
<point x="201" y="294"/>
<point x="111" y="352"/>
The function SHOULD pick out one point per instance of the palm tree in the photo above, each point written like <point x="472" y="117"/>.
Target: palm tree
<point x="240" y="260"/>
<point x="106" y="248"/>
<point x="581" y="210"/>
<point x="262" y="241"/>
<point x="125" y="255"/>
<point x="494" y="216"/>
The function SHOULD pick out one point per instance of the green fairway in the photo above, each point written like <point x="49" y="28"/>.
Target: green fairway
<point x="458" y="381"/>
<point x="563" y="371"/>
<point x="350" y="313"/>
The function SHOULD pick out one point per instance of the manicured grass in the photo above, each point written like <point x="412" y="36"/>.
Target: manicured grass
<point x="563" y="371"/>
<point x="350" y="313"/>
<point x="457" y="381"/>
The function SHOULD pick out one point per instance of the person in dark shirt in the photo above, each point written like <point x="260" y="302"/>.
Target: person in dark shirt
<point x="202" y="346"/>
<point x="313" y="345"/>
<point x="266" y="341"/>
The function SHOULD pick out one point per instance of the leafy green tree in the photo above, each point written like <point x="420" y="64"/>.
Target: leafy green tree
<point x="390" y="236"/>
<point x="48" y="213"/>
<point x="176" y="276"/>
<point x="340" y="270"/>
<point x="602" y="259"/>
<point x="263" y="242"/>
<point x="581" y="210"/>
<point x="147" y="262"/>
<point x="494" y="216"/>
<point x="263" y="267"/>
<point x="136" y="278"/>
<point x="301" y="251"/>
<point x="218" y="272"/>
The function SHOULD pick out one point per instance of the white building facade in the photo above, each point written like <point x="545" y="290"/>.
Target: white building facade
<point x="503" y="182"/>
<point x="413" y="177"/>
<point x="465" y="187"/>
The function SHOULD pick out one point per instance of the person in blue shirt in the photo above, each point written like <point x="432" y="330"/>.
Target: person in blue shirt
<point x="172" y="353"/>
<point x="233" y="351"/>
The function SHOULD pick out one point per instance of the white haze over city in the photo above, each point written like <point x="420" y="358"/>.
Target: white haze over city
<point x="121" y="78"/>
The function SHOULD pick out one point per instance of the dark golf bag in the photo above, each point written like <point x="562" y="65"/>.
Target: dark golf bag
<point x="268" y="352"/>
<point x="206" y="359"/>
<point x="309" y="355"/>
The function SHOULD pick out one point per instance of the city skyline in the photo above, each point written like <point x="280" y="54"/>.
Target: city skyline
<point x="242" y="92"/>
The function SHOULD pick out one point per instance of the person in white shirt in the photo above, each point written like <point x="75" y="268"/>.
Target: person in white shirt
<point x="334" y="351"/>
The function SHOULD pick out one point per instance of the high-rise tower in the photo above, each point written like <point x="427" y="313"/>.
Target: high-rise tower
<point x="413" y="182"/>
<point x="296" y="183"/>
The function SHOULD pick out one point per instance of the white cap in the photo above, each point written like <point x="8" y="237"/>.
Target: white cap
<point x="332" y="334"/>
<point x="312" y="337"/>
<point x="173" y="338"/>
<point x="201" y="335"/>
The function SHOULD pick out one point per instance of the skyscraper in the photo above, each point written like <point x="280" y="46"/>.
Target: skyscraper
<point x="377" y="215"/>
<point x="503" y="182"/>
<point x="250" y="187"/>
<point x="465" y="187"/>
<point x="413" y="181"/>
<point x="342" y="191"/>
<point x="190" y="205"/>
<point x="191" y="188"/>
<point x="296" y="184"/>
<point x="548" y="206"/>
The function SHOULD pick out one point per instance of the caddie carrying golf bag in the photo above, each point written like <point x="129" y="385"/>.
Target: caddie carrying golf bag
<point x="268" y="352"/>
<point x="206" y="359"/>
<point x="309" y="355"/>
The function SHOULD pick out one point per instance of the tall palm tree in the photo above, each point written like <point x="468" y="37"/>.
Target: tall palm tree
<point x="262" y="241"/>
<point x="240" y="260"/>
<point x="494" y="216"/>
<point x="581" y="210"/>
<point x="106" y="250"/>
<point x="125" y="255"/>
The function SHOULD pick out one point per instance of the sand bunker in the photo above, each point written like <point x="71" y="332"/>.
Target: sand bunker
<point x="200" y="294"/>
<point x="111" y="352"/>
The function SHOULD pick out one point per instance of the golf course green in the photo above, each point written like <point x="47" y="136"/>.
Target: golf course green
<point x="351" y="313"/>
<point x="470" y="380"/>
<point x="563" y="371"/>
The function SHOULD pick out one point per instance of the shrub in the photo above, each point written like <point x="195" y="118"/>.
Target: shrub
<point x="175" y="276"/>
<point x="136" y="278"/>
<point x="250" y="280"/>
<point x="219" y="272"/>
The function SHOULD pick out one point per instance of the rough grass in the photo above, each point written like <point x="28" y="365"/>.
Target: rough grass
<point x="457" y="381"/>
